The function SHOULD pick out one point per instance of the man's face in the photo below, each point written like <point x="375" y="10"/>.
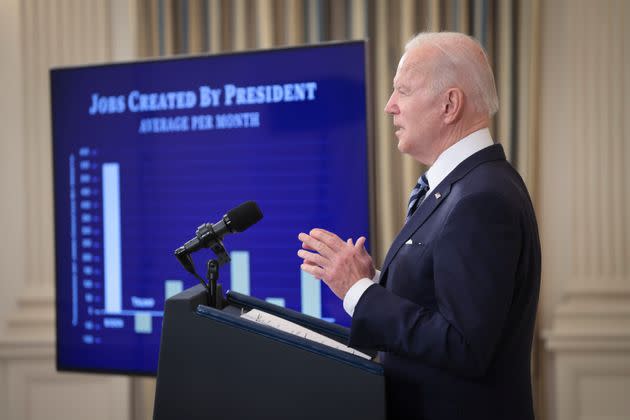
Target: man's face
<point x="414" y="108"/>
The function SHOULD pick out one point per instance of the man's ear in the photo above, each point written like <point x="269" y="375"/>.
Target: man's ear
<point x="453" y="105"/>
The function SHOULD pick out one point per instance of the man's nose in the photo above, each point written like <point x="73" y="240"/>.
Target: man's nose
<point x="391" y="107"/>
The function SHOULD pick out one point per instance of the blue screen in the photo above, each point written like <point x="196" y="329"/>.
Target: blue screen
<point x="145" y="152"/>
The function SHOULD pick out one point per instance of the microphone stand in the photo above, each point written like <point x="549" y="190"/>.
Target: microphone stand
<point x="214" y="289"/>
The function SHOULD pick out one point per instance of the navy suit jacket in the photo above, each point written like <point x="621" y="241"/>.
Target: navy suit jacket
<point x="453" y="316"/>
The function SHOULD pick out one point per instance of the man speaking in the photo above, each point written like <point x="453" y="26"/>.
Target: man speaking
<point x="452" y="312"/>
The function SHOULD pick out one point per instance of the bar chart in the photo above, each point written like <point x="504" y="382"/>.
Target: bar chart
<point x="99" y="299"/>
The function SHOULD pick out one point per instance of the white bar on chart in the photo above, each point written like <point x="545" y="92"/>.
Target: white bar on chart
<point x="239" y="272"/>
<point x="111" y="238"/>
<point x="172" y="287"/>
<point x="311" y="295"/>
<point x="143" y="323"/>
<point x="276" y="301"/>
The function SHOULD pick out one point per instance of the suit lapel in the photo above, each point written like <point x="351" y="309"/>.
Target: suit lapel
<point x="436" y="197"/>
<point x="428" y="206"/>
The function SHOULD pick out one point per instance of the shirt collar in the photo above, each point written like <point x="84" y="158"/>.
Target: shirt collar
<point x="456" y="154"/>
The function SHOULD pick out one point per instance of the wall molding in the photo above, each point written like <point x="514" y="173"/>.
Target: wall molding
<point x="590" y="343"/>
<point x="590" y="321"/>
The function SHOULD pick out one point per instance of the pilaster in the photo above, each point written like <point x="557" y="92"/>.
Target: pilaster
<point x="589" y="329"/>
<point x="45" y="34"/>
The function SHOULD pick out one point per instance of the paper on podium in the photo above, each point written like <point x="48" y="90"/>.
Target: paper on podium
<point x="295" y="329"/>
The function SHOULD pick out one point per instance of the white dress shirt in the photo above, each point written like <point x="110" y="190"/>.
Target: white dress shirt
<point x="443" y="165"/>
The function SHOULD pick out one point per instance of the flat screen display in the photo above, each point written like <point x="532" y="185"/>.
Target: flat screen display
<point x="145" y="152"/>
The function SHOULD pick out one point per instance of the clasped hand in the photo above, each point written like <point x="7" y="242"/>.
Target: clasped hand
<point x="340" y="264"/>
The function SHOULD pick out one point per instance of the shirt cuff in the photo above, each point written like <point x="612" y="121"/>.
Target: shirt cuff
<point x="356" y="291"/>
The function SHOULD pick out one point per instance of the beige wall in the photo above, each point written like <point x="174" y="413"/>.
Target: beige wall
<point x="36" y="35"/>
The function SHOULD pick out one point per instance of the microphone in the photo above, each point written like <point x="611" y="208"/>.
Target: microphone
<point x="236" y="220"/>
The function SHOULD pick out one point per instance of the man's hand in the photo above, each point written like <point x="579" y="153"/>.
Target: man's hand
<point x="340" y="264"/>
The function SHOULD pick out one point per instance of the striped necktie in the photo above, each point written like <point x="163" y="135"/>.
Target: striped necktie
<point x="416" y="195"/>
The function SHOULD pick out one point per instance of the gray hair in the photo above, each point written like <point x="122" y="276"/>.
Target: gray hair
<point x="462" y="61"/>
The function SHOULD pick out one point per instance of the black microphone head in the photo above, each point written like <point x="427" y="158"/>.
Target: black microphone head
<point x="244" y="216"/>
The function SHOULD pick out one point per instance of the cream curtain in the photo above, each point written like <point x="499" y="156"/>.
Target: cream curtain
<point x="507" y="28"/>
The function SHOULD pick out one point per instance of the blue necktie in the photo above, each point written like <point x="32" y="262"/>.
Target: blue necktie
<point x="416" y="195"/>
